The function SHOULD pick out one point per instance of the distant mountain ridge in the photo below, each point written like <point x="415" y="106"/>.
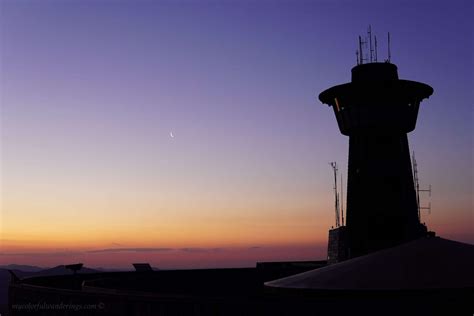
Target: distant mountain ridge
<point x="22" y="267"/>
<point x="61" y="269"/>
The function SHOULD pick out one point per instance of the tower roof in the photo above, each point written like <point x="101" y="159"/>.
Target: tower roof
<point x="374" y="80"/>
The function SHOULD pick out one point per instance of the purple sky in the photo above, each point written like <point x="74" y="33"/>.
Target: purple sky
<point x="91" y="90"/>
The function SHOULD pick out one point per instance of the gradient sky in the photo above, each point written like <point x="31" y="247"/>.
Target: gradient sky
<point x="91" y="90"/>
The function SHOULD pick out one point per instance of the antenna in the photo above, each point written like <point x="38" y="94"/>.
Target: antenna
<point x="370" y="41"/>
<point x="375" y="48"/>
<point x="427" y="208"/>
<point x="342" y="201"/>
<point x="336" y="195"/>
<point x="360" y="51"/>
<point x="357" y="57"/>
<point x="389" y="55"/>
<point x="418" y="190"/>
<point x="429" y="203"/>
<point x="415" y="182"/>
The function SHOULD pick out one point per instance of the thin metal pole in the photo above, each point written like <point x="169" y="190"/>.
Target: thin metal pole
<point x="342" y="200"/>
<point x="389" y="55"/>
<point x="375" y="48"/>
<point x="370" y="42"/>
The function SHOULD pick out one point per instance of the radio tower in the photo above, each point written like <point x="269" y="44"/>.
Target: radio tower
<point x="377" y="110"/>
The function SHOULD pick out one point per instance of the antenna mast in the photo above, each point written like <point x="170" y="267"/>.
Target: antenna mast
<point x="365" y="43"/>
<point x="336" y="195"/>
<point x="418" y="190"/>
<point x="417" y="185"/>
<point x="370" y="42"/>
<point x="389" y="55"/>
<point x="342" y="202"/>
<point x="375" y="48"/>
<point x="361" y="58"/>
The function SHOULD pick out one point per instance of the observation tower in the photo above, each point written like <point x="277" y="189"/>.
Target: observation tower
<point x="377" y="110"/>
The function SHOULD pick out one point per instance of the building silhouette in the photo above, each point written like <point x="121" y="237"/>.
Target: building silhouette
<point x="377" y="110"/>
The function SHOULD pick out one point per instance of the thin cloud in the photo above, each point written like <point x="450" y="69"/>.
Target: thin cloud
<point x="115" y="250"/>
<point x="109" y="250"/>
<point x="201" y="249"/>
<point x="41" y="254"/>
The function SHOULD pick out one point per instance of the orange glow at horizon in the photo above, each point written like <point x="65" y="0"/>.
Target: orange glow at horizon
<point x="198" y="243"/>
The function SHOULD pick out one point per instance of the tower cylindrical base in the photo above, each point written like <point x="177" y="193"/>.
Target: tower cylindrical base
<point x="382" y="209"/>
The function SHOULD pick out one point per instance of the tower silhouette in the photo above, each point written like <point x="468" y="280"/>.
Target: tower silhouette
<point x="377" y="110"/>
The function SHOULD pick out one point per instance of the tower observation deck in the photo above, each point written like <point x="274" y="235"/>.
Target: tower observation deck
<point x="377" y="110"/>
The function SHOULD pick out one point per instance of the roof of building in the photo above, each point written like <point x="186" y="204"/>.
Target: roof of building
<point x="377" y="81"/>
<point x="426" y="263"/>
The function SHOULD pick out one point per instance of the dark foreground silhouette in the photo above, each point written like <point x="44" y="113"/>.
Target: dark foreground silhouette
<point x="428" y="276"/>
